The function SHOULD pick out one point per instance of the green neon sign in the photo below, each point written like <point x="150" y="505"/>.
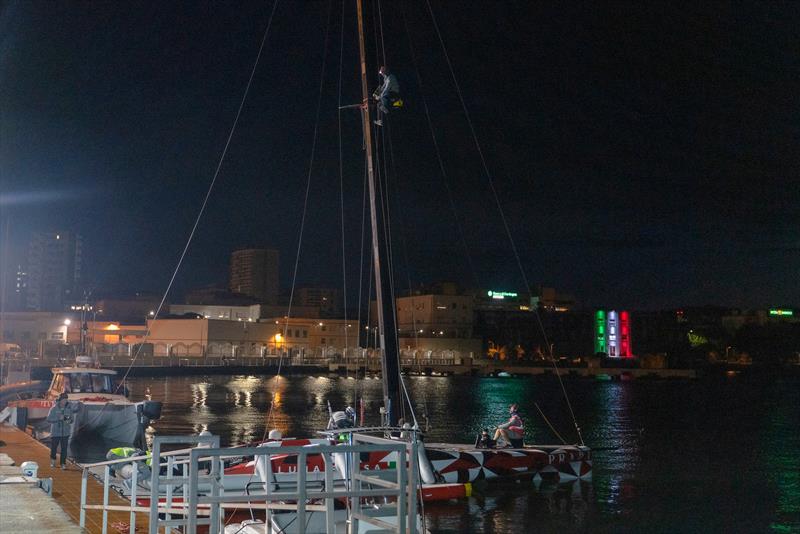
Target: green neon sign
<point x="501" y="294"/>
<point x="787" y="313"/>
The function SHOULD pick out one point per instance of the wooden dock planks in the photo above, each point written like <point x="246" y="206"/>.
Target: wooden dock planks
<point x="67" y="484"/>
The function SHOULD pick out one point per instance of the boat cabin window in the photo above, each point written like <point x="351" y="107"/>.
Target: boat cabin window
<point x="58" y="384"/>
<point x="90" y="383"/>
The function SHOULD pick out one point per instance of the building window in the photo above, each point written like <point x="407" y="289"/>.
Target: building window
<point x="324" y="328"/>
<point x="305" y="333"/>
<point x="297" y="333"/>
<point x="323" y="340"/>
<point x="57" y="335"/>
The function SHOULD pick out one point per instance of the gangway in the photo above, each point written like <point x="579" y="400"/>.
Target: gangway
<point x="187" y="490"/>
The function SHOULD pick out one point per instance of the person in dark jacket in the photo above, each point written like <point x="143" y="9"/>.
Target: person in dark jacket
<point x="386" y="94"/>
<point x="60" y="418"/>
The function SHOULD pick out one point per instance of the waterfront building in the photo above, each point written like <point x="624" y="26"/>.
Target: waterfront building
<point x="225" y="338"/>
<point x="434" y="322"/>
<point x="254" y="272"/>
<point x="35" y="331"/>
<point x="547" y="298"/>
<point x="251" y="313"/>
<point x="54" y="270"/>
<point x="228" y="313"/>
<point x="327" y="300"/>
<point x="126" y="309"/>
<point x="612" y="334"/>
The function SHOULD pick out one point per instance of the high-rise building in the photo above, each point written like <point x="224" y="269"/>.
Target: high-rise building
<point x="328" y="300"/>
<point x="19" y="298"/>
<point x="254" y="272"/>
<point x="54" y="269"/>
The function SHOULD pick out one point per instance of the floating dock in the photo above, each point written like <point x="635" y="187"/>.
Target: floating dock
<point x="26" y="508"/>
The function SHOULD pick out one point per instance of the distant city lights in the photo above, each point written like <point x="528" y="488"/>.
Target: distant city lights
<point x="500" y="295"/>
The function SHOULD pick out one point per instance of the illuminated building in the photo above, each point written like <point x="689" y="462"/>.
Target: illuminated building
<point x="612" y="334"/>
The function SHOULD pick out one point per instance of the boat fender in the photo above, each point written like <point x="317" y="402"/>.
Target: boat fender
<point x="30" y="469"/>
<point x="426" y="470"/>
<point x="152" y="409"/>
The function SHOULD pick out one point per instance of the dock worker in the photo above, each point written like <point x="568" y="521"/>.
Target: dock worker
<point x="60" y="418"/>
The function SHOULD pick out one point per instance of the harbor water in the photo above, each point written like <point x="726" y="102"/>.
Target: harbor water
<point x="709" y="455"/>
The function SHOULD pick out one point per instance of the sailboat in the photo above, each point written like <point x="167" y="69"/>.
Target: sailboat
<point x="446" y="470"/>
<point x="440" y="463"/>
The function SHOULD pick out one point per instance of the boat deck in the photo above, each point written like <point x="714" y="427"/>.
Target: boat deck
<point x="469" y="447"/>
<point x="66" y="484"/>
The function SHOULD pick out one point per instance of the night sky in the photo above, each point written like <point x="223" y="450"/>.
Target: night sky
<point x="646" y="155"/>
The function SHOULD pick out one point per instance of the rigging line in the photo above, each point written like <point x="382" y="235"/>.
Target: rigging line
<point x="478" y="147"/>
<point x="546" y="420"/>
<point x="361" y="276"/>
<point x="341" y="190"/>
<point x="210" y="188"/>
<point x="439" y="153"/>
<point x="500" y="208"/>
<point x="383" y="194"/>
<point x="388" y="135"/>
<point x="380" y="21"/>
<point x="310" y="173"/>
<point x="404" y="248"/>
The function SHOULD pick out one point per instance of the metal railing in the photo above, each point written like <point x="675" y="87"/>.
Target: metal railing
<point x="169" y="460"/>
<point x="204" y="500"/>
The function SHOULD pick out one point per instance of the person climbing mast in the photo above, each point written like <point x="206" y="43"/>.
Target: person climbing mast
<point x="387" y="95"/>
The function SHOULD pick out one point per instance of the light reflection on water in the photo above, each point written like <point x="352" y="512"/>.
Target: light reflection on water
<point x="699" y="456"/>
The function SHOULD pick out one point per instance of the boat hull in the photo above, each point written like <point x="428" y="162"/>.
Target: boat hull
<point x="463" y="463"/>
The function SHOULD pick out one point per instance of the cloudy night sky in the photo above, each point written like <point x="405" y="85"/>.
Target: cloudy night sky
<point x="645" y="155"/>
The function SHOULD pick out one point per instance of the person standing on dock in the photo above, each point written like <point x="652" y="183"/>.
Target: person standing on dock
<point x="60" y="419"/>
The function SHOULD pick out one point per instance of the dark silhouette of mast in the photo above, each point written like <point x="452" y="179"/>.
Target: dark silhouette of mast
<point x="387" y="329"/>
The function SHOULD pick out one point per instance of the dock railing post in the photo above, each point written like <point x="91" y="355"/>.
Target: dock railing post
<point x="329" y="464"/>
<point x="413" y="475"/>
<point x="402" y="509"/>
<point x="169" y="488"/>
<point x="84" y="480"/>
<point x="106" y="477"/>
<point x="192" y="510"/>
<point x="154" y="486"/>
<point x="134" y="484"/>
<point x="268" y="489"/>
<point x="215" y="487"/>
<point x="302" y="492"/>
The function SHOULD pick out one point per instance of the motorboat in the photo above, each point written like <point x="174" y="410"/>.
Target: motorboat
<point x="102" y="408"/>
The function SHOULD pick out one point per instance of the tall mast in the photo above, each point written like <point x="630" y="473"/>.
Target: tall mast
<point x="390" y="364"/>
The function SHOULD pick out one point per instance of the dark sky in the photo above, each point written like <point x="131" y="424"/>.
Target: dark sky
<point x="645" y="154"/>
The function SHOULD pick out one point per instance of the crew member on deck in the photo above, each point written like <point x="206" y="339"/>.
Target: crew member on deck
<point x="511" y="431"/>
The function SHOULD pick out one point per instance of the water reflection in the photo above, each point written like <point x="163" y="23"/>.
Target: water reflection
<point x="699" y="456"/>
